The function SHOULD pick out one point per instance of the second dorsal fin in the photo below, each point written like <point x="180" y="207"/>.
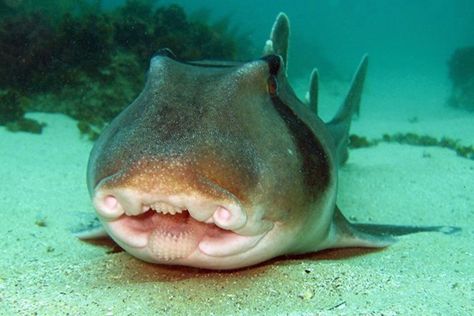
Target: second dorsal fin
<point x="313" y="91"/>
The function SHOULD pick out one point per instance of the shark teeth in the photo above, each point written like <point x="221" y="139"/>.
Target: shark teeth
<point x="163" y="208"/>
<point x="228" y="218"/>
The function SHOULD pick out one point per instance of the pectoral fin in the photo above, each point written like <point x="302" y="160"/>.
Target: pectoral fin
<point x="345" y="234"/>
<point x="92" y="233"/>
<point x="92" y="230"/>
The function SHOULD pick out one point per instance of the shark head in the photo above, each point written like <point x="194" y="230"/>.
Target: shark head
<point x="219" y="165"/>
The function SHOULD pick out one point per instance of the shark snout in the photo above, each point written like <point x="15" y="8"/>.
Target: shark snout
<point x="111" y="204"/>
<point x="179" y="207"/>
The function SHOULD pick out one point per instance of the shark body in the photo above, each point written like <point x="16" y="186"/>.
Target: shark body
<point x="220" y="165"/>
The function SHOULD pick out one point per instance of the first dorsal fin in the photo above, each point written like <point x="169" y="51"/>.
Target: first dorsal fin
<point x="279" y="37"/>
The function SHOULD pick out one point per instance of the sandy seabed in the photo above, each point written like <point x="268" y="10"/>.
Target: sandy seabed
<point x="45" y="270"/>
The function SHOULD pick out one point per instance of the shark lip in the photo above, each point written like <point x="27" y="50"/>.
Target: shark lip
<point x="174" y="227"/>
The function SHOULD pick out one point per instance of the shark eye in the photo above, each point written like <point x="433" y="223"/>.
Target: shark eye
<point x="274" y="63"/>
<point x="272" y="86"/>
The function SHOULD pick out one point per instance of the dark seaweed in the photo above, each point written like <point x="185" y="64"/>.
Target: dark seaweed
<point x="25" y="125"/>
<point x="12" y="114"/>
<point x="461" y="73"/>
<point x="356" y="141"/>
<point x="10" y="107"/>
<point x="89" y="64"/>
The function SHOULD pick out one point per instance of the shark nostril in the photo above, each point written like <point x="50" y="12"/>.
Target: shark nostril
<point x="110" y="202"/>
<point x="222" y="214"/>
<point x="229" y="218"/>
<point x="108" y="205"/>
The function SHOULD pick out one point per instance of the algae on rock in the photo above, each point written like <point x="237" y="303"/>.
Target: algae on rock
<point x="90" y="64"/>
<point x="12" y="114"/>
<point x="356" y="141"/>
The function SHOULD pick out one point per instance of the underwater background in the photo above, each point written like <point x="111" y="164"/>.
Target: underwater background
<point x="68" y="67"/>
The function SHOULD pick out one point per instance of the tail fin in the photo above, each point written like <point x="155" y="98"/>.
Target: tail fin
<point x="341" y="123"/>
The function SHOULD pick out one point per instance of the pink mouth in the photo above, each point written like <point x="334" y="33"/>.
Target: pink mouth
<point x="168" y="236"/>
<point x="174" y="227"/>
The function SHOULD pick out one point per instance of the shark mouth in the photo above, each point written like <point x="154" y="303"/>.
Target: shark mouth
<point x="174" y="227"/>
